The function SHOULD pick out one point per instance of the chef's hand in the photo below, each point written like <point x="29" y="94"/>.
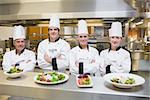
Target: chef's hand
<point x="59" y="56"/>
<point x="47" y="58"/>
<point x="93" y="61"/>
<point x="28" y="61"/>
<point x="115" y="63"/>
<point x="77" y="63"/>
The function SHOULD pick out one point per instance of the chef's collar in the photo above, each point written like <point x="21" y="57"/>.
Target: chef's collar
<point x="116" y="48"/>
<point x="82" y="48"/>
<point x="55" y="40"/>
<point x="21" y="51"/>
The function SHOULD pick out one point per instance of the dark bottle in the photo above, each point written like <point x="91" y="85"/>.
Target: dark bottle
<point x="108" y="69"/>
<point x="81" y="68"/>
<point x="54" y="64"/>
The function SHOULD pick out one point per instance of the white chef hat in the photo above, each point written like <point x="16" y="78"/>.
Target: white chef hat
<point x="82" y="27"/>
<point x="18" y="32"/>
<point x="116" y="29"/>
<point x="54" y="21"/>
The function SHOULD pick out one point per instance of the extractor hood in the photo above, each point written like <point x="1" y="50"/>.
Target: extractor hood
<point x="142" y="6"/>
<point x="43" y="9"/>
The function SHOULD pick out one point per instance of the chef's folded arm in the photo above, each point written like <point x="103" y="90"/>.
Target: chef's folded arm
<point x="42" y="63"/>
<point x="91" y="68"/>
<point x="6" y="62"/>
<point x="123" y="66"/>
<point x="30" y="63"/>
<point x="62" y="60"/>
<point x="72" y="62"/>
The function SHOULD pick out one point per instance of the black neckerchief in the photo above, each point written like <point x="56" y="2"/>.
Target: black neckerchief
<point x="20" y="52"/>
<point x="82" y="48"/>
<point x="55" y="40"/>
<point x="116" y="48"/>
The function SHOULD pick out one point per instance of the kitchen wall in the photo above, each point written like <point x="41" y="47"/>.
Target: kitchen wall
<point x="5" y="32"/>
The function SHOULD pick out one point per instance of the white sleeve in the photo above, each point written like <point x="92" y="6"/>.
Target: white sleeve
<point x="40" y="57"/>
<point x="29" y="66"/>
<point x="63" y="63"/>
<point x="6" y="62"/>
<point x="102" y="66"/>
<point x="93" y="67"/>
<point x="126" y="63"/>
<point x="72" y="60"/>
<point x="123" y="66"/>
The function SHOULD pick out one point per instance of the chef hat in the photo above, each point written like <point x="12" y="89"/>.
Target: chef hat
<point x="82" y="27"/>
<point x="116" y="29"/>
<point x="54" y="21"/>
<point x="18" y="32"/>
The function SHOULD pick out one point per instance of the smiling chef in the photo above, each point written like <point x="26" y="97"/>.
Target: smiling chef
<point x="52" y="52"/>
<point x="19" y="57"/>
<point x="116" y="59"/>
<point x="84" y="53"/>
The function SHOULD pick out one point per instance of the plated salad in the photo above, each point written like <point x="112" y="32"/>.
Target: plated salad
<point x="123" y="80"/>
<point x="14" y="70"/>
<point x="51" y="77"/>
<point x="84" y="81"/>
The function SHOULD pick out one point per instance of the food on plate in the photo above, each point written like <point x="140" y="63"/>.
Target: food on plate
<point x="84" y="80"/>
<point x="50" y="77"/>
<point x="14" y="70"/>
<point x="123" y="80"/>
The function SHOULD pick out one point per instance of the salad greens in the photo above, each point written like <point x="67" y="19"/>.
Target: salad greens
<point x="51" y="77"/>
<point x="14" y="70"/>
<point x="124" y="80"/>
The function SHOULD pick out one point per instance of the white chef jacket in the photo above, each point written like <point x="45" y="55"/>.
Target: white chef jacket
<point x="77" y="54"/>
<point x="26" y="60"/>
<point x="119" y="60"/>
<point x="53" y="49"/>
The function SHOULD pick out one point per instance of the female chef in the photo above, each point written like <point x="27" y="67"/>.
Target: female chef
<point x="116" y="59"/>
<point x="84" y="53"/>
<point x="52" y="52"/>
<point x="19" y="57"/>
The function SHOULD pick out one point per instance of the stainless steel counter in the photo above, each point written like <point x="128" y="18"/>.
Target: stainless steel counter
<point x="25" y="86"/>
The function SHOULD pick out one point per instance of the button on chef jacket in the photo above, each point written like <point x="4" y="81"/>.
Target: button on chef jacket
<point x="53" y="49"/>
<point x="119" y="60"/>
<point x="26" y="60"/>
<point x="86" y="56"/>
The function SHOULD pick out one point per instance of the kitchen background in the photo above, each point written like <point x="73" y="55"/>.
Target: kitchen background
<point x="34" y="16"/>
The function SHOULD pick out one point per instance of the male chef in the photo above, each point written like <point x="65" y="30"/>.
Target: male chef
<point x="20" y="57"/>
<point x="52" y="52"/>
<point x="116" y="59"/>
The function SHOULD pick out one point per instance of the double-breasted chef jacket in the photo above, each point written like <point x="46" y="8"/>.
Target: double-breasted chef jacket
<point x="77" y="54"/>
<point x="26" y="60"/>
<point x="54" y="49"/>
<point x="119" y="60"/>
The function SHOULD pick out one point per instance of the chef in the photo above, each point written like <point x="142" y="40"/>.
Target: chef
<point x="116" y="59"/>
<point x="83" y="53"/>
<point x="52" y="52"/>
<point x="19" y="57"/>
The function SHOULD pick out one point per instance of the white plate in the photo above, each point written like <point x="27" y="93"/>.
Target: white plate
<point x="13" y="75"/>
<point x="138" y="79"/>
<point x="44" y="82"/>
<point x="90" y="85"/>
